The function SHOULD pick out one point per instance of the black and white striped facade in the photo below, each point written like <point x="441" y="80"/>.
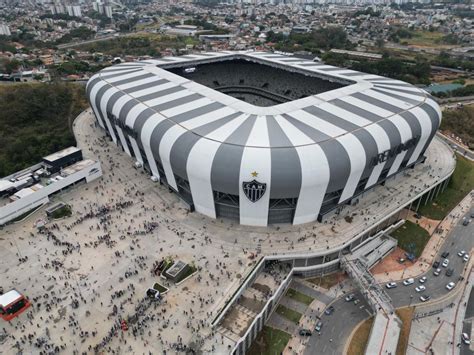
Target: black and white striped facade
<point x="309" y="155"/>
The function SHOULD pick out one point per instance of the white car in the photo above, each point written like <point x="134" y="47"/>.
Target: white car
<point x="466" y="257"/>
<point x="445" y="263"/>
<point x="391" y="285"/>
<point x="409" y="281"/>
<point x="420" y="288"/>
<point x="437" y="272"/>
<point x="425" y="298"/>
<point x="465" y="338"/>
<point x="450" y="286"/>
<point x="423" y="279"/>
<point x="461" y="253"/>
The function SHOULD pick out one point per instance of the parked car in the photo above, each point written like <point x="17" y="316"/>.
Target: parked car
<point x="391" y="285"/>
<point x="445" y="254"/>
<point x="356" y="301"/>
<point x="350" y="297"/>
<point x="465" y="338"/>
<point x="420" y="288"/>
<point x="436" y="264"/>
<point x="437" y="272"/>
<point x="409" y="281"/>
<point x="450" y="286"/>
<point x="461" y="253"/>
<point x="466" y="222"/>
<point x="425" y="298"/>
<point x="465" y="258"/>
<point x="305" y="332"/>
<point x="445" y="263"/>
<point x="449" y="272"/>
<point x="330" y="310"/>
<point x="423" y="279"/>
<point x="318" y="326"/>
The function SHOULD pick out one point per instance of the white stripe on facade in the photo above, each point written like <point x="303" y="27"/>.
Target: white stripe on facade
<point x="199" y="166"/>
<point x="405" y="134"/>
<point x="177" y="110"/>
<point x="256" y="160"/>
<point x="93" y="96"/>
<point x="357" y="158"/>
<point x="425" y="124"/>
<point x="147" y="131"/>
<point x="103" y="107"/>
<point x="383" y="144"/>
<point x="172" y="135"/>
<point x="367" y="106"/>
<point x="314" y="173"/>
<point x="318" y="123"/>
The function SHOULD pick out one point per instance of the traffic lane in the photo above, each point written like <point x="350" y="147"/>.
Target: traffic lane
<point x="460" y="149"/>
<point x="465" y="350"/>
<point x="459" y="238"/>
<point x="338" y="326"/>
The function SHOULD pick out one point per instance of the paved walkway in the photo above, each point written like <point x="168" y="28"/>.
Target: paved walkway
<point x="441" y="332"/>
<point x="425" y="261"/>
<point x="312" y="314"/>
<point x="282" y="323"/>
<point x="294" y="305"/>
<point x="304" y="287"/>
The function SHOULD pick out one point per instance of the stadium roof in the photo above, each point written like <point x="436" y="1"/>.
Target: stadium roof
<point x="331" y="114"/>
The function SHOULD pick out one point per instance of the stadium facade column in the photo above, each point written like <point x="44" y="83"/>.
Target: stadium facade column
<point x="438" y="189"/>
<point x="428" y="196"/>
<point x="446" y="183"/>
<point x="418" y="204"/>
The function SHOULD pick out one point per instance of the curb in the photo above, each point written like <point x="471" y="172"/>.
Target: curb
<point x="349" y="339"/>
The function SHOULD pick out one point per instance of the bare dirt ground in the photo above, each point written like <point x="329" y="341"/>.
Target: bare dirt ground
<point x="391" y="262"/>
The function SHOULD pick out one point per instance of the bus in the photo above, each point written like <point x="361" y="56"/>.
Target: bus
<point x="12" y="304"/>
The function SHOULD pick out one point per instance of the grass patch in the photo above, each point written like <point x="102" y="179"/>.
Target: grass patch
<point x="424" y="39"/>
<point x="411" y="237"/>
<point x="300" y="297"/>
<point x="405" y="315"/>
<point x="289" y="314"/>
<point x="360" y="338"/>
<point x="159" y="287"/>
<point x="64" y="211"/>
<point x="269" y="341"/>
<point x="327" y="281"/>
<point x="189" y="271"/>
<point x="461" y="183"/>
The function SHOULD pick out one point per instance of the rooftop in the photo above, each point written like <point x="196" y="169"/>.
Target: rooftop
<point x="9" y="297"/>
<point x="61" y="154"/>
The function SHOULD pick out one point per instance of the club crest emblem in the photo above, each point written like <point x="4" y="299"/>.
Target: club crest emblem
<point x="254" y="190"/>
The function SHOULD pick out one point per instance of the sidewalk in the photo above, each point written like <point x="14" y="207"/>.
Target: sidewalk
<point x="462" y="145"/>
<point x="297" y="344"/>
<point x="435" y="243"/>
<point x="441" y="332"/>
<point x="311" y="316"/>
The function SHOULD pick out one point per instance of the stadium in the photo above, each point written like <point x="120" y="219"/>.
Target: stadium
<point x="263" y="138"/>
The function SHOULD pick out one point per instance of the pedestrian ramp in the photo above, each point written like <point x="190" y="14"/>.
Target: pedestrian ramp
<point x="374" y="251"/>
<point x="386" y="328"/>
<point x="383" y="338"/>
